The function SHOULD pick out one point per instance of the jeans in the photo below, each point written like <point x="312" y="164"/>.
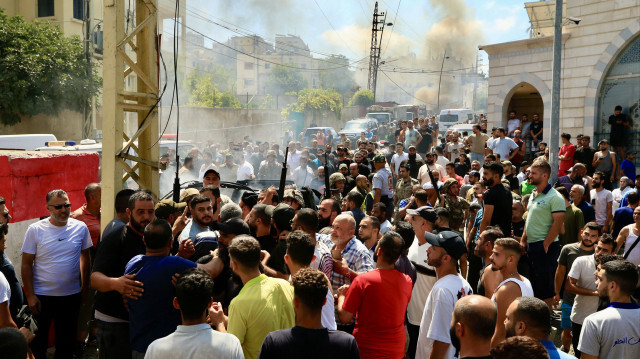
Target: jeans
<point x="113" y="340"/>
<point x="477" y="157"/>
<point x="63" y="311"/>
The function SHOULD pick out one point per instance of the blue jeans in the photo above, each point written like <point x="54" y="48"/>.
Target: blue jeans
<point x="477" y="157"/>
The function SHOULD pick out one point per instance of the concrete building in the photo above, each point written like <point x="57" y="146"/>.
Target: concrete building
<point x="600" y="68"/>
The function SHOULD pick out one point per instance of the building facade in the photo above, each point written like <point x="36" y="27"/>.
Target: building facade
<point x="600" y="68"/>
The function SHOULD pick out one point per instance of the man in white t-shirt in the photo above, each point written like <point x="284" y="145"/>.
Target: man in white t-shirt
<point x="303" y="174"/>
<point x="454" y="148"/>
<point x="397" y="158"/>
<point x="512" y="124"/>
<point x="245" y="169"/>
<point x="503" y="146"/>
<point x="602" y="201"/>
<point x="580" y="282"/>
<point x="614" y="331"/>
<point x="195" y="338"/>
<point x="55" y="273"/>
<point x="434" y="340"/>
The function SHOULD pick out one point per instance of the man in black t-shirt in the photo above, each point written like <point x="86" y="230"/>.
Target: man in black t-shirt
<point x="427" y="140"/>
<point x="497" y="199"/>
<point x="113" y="254"/>
<point x="309" y="337"/>
<point x="535" y="131"/>
<point x="584" y="154"/>
<point x="620" y="126"/>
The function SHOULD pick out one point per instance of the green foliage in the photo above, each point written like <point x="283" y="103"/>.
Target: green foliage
<point x="42" y="71"/>
<point x="203" y="92"/>
<point x="283" y="79"/>
<point x="335" y="74"/>
<point x="316" y="102"/>
<point x="362" y="98"/>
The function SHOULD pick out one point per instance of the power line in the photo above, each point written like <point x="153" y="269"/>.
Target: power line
<point x="402" y="89"/>
<point x="334" y="29"/>
<point x="392" y="27"/>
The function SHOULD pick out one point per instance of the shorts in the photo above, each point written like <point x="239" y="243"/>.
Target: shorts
<point x="543" y="268"/>
<point x="565" y="317"/>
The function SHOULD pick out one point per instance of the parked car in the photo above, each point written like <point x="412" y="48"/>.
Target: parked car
<point x="353" y="128"/>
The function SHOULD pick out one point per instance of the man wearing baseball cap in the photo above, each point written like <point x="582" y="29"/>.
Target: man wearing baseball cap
<point x="434" y="339"/>
<point x="383" y="184"/>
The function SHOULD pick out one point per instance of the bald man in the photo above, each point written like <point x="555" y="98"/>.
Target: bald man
<point x="472" y="326"/>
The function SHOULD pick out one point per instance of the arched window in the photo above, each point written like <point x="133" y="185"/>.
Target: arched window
<point x="621" y="86"/>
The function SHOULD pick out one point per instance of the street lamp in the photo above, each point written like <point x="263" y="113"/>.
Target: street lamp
<point x="440" y="80"/>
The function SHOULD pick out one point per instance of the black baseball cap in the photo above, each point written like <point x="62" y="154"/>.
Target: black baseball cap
<point x="234" y="226"/>
<point x="426" y="212"/>
<point x="450" y="241"/>
<point x="250" y="199"/>
<point x="282" y="214"/>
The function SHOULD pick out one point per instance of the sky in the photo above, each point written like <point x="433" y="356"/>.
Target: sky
<point x="344" y="26"/>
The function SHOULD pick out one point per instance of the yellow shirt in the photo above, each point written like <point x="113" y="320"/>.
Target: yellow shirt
<point x="263" y="305"/>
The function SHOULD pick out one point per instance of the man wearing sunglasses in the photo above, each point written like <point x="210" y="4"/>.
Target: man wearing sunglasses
<point x="55" y="273"/>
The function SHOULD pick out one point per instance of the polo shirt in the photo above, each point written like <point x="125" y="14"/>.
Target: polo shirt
<point x="263" y="305"/>
<point x="541" y="208"/>
<point x="195" y="341"/>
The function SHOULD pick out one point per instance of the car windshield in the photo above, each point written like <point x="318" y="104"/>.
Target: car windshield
<point x="448" y="118"/>
<point x="356" y="126"/>
<point x="379" y="116"/>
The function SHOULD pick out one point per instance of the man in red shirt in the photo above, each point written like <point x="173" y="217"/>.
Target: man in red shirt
<point x="451" y="173"/>
<point x="89" y="213"/>
<point x="565" y="156"/>
<point x="380" y="298"/>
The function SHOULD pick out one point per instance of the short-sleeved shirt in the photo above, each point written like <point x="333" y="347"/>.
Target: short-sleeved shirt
<point x="93" y="222"/>
<point x="425" y="279"/>
<point x="396" y="160"/>
<point x="512" y="125"/>
<point x="503" y="146"/>
<point x="584" y="155"/>
<point x="423" y="174"/>
<point x="191" y="230"/>
<point x="536" y="127"/>
<point x="456" y="211"/>
<point x="588" y="212"/>
<point x="56" y="267"/>
<point x="573" y="223"/>
<point x="628" y="168"/>
<point x="478" y="142"/>
<point x="195" y="341"/>
<point x="358" y="259"/>
<point x="263" y="306"/>
<point x="5" y="290"/>
<point x="500" y="198"/>
<point x="372" y="293"/>
<point x="404" y="189"/>
<point x="245" y="170"/>
<point x="541" y="208"/>
<point x="299" y="342"/>
<point x="568" y="254"/>
<point x="153" y="316"/>
<point x="583" y="305"/>
<point x="566" y="150"/>
<point x="621" y="217"/>
<point x="383" y="180"/>
<point x="599" y="201"/>
<point x="612" y="333"/>
<point x="455" y="149"/>
<point x="410" y="136"/>
<point x="436" y="319"/>
<point x="17" y="298"/>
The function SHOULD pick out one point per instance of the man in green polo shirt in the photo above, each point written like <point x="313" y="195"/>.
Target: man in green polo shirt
<point x="263" y="305"/>
<point x="544" y="222"/>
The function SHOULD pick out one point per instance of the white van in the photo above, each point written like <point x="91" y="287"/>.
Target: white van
<point x="25" y="142"/>
<point x="451" y="117"/>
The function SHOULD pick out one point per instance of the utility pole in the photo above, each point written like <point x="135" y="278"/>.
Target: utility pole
<point x="475" y="85"/>
<point x="554" y="131"/>
<point x="87" y="124"/>
<point x="122" y="158"/>
<point x="374" y="54"/>
<point x="444" y="57"/>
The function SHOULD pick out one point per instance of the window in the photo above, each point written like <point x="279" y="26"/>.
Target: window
<point x="45" y="8"/>
<point x="267" y="66"/>
<point x="78" y="9"/>
<point x="248" y="65"/>
<point x="248" y="82"/>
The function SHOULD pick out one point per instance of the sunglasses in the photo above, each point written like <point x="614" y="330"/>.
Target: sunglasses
<point x="59" y="206"/>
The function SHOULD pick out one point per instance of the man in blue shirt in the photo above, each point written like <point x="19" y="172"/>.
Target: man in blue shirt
<point x="576" y="194"/>
<point x="627" y="167"/>
<point x="529" y="316"/>
<point x="152" y="315"/>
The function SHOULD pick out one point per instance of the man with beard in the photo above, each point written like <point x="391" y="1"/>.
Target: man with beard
<point x="602" y="201"/>
<point x="404" y="187"/>
<point x="281" y="217"/>
<point x="414" y="161"/>
<point x="423" y="175"/>
<point x="349" y="182"/>
<point x="362" y="163"/>
<point x="187" y="167"/>
<point x="369" y="233"/>
<point x="568" y="255"/>
<point x="318" y="182"/>
<point x="544" y="222"/>
<point x="573" y="220"/>
<point x="577" y="175"/>
<point x="529" y="317"/>
<point x="382" y="290"/>
<point x="605" y="161"/>
<point x="270" y="169"/>
<point x="580" y="282"/>
<point x="112" y="256"/>
<point x="505" y="257"/>
<point x="620" y="192"/>
<point x="306" y="220"/>
<point x="434" y="339"/>
<point x="584" y="154"/>
<point x="488" y="279"/>
<point x="379" y="211"/>
<point x="259" y="223"/>
<point x="55" y="273"/>
<point x="427" y="140"/>
<point x="201" y="217"/>
<point x="458" y="207"/>
<point x="212" y="178"/>
<point x="614" y="331"/>
<point x="497" y="199"/>
<point x="576" y="195"/>
<point x="472" y="325"/>
<point x="328" y="210"/>
<point x="397" y="158"/>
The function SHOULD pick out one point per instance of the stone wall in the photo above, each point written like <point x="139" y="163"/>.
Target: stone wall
<point x="66" y="126"/>
<point x="606" y="27"/>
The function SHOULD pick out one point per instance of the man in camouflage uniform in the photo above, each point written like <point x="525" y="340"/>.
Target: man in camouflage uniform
<point x="337" y="183"/>
<point x="271" y="169"/>
<point x="404" y="187"/>
<point x="457" y="206"/>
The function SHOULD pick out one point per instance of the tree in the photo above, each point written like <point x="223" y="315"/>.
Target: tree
<point x="203" y="92"/>
<point x="43" y="72"/>
<point x="316" y="102"/>
<point x="362" y="98"/>
<point x="335" y="74"/>
<point x="284" y="79"/>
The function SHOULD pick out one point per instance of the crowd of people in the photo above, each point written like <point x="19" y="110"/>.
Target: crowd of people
<point x="423" y="247"/>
